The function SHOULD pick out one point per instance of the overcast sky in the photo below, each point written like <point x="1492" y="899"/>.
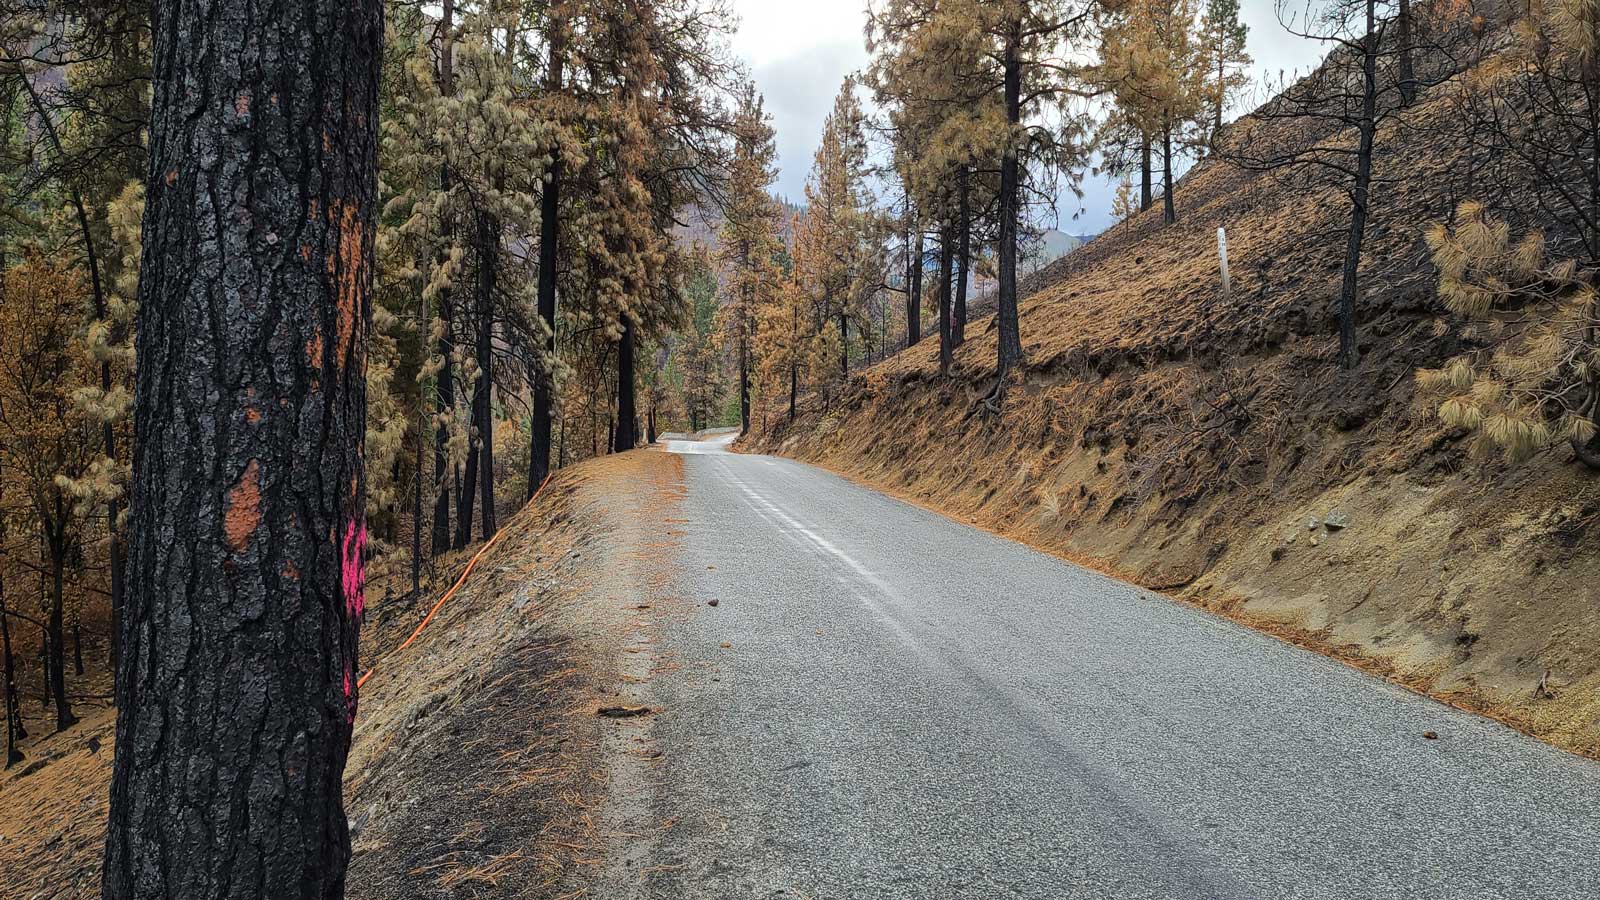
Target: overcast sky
<point x="800" y="53"/>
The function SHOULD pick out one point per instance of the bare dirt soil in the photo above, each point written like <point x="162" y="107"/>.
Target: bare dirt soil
<point x="1197" y="444"/>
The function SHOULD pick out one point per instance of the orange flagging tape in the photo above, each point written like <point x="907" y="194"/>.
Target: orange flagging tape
<point x="471" y="564"/>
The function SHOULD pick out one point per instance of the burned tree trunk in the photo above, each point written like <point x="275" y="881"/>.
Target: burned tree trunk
<point x="1349" y="351"/>
<point x="914" y="289"/>
<point x="446" y="382"/>
<point x="627" y="435"/>
<point x="1146" y="192"/>
<point x="483" y="396"/>
<point x="958" y="324"/>
<point x="844" y="342"/>
<point x="549" y="238"/>
<point x="14" y="730"/>
<point x="945" y="333"/>
<point x="1169" y="213"/>
<point x="237" y="693"/>
<point x="56" y="659"/>
<point x="1010" y="343"/>
<point x="744" y="383"/>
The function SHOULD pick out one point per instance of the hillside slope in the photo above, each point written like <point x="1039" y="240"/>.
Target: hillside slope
<point x="473" y="767"/>
<point x="1197" y="444"/>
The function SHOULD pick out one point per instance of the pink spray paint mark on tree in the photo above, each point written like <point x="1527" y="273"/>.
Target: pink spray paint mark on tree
<point x="353" y="584"/>
<point x="353" y="568"/>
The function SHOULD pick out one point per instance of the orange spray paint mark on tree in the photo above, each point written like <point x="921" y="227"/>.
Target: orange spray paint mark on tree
<point x="348" y="269"/>
<point x="242" y="513"/>
<point x="314" y="349"/>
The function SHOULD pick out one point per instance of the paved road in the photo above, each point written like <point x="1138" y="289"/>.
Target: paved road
<point x="912" y="708"/>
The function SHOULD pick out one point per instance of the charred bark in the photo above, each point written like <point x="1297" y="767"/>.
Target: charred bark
<point x="794" y="388"/>
<point x="946" y="252"/>
<point x="247" y="536"/>
<point x="445" y="385"/>
<point x="1349" y="351"/>
<point x="914" y="290"/>
<point x="56" y="659"/>
<point x="14" y="731"/>
<point x="549" y="239"/>
<point x="958" y="324"/>
<point x="483" y="393"/>
<point x="627" y="434"/>
<point x="467" y="489"/>
<point x="844" y="342"/>
<point x="1146" y="191"/>
<point x="1010" y="343"/>
<point x="744" y="382"/>
<point x="1169" y="213"/>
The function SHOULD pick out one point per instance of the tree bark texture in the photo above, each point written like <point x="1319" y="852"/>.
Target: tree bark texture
<point x="237" y="690"/>
<point x="1349" y="352"/>
<point x="1010" y="343"/>
<point x="1169" y="213"/>
<point x="958" y="324"/>
<point x="1146" y="192"/>
<point x="627" y="433"/>
<point x="914" y="290"/>
<point x="483" y="396"/>
<point x="946" y="335"/>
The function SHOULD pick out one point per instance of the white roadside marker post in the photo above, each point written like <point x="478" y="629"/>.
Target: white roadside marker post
<point x="1222" y="254"/>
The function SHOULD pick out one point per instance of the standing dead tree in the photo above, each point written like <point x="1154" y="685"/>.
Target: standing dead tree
<point x="1337" y="112"/>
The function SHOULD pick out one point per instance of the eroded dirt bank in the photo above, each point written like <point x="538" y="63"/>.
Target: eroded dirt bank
<point x="1198" y="443"/>
<point x="1376" y="544"/>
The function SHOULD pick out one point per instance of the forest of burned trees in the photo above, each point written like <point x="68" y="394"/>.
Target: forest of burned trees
<point x="534" y="299"/>
<point x="489" y="269"/>
<point x="988" y="114"/>
<point x="569" y="261"/>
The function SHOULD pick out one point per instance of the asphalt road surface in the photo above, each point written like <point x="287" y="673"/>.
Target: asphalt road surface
<point x="911" y="708"/>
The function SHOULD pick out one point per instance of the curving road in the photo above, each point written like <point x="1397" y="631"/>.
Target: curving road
<point x="911" y="708"/>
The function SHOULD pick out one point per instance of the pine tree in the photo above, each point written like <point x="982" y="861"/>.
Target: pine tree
<point x="1348" y="93"/>
<point x="947" y="124"/>
<point x="47" y="440"/>
<point x="467" y="228"/>
<point x="246" y="529"/>
<point x="1224" y="62"/>
<point x="784" y="335"/>
<point x="835" y="252"/>
<point x="749" y="235"/>
<point x="1152" y="67"/>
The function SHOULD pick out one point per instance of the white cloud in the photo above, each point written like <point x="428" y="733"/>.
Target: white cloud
<point x="800" y="52"/>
